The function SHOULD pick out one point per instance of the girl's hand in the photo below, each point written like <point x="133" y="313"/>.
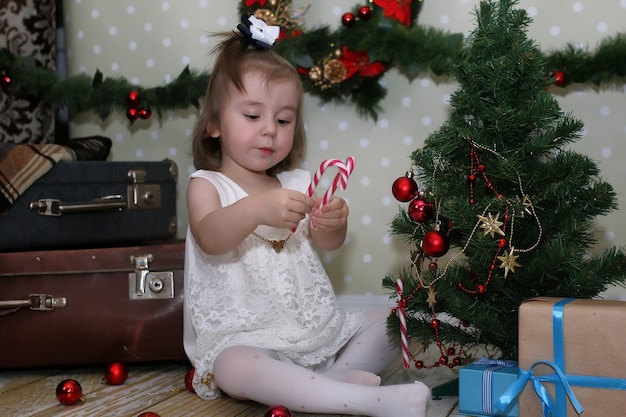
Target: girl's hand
<point x="331" y="217"/>
<point x="282" y="208"/>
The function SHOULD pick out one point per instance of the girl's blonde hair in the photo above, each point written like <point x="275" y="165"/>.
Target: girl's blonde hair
<point x="234" y="60"/>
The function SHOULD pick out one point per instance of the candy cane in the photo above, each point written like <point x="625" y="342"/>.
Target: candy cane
<point x="340" y="181"/>
<point x="402" y="316"/>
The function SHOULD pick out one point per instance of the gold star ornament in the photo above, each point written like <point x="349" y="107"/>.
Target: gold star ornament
<point x="509" y="262"/>
<point x="432" y="297"/>
<point x="491" y="225"/>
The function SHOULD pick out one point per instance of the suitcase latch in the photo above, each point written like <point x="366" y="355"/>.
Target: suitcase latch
<point x="146" y="285"/>
<point x="142" y="196"/>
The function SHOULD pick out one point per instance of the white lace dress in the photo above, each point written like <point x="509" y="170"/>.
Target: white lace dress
<point x="255" y="296"/>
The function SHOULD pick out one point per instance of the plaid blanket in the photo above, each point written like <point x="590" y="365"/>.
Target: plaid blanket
<point x="22" y="164"/>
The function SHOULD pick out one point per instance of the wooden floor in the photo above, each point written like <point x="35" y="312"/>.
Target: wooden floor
<point x="161" y="389"/>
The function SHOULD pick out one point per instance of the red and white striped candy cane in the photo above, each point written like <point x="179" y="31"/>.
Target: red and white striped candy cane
<point x="403" y="331"/>
<point x="340" y="181"/>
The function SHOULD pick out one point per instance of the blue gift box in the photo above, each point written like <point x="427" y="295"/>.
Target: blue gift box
<point x="481" y="384"/>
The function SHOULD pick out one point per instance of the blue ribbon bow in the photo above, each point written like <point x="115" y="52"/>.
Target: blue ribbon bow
<point x="548" y="405"/>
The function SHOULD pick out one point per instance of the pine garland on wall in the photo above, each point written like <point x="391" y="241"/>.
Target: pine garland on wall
<point x="343" y="65"/>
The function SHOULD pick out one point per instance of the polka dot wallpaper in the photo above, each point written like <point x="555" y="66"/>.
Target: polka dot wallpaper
<point x="149" y="42"/>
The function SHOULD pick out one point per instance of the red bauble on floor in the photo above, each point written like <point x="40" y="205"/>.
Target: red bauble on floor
<point x="69" y="392"/>
<point x="116" y="373"/>
<point x="278" y="411"/>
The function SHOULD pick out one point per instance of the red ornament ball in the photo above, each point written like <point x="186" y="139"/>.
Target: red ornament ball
<point x="69" y="392"/>
<point x="278" y="411"/>
<point x="560" y="78"/>
<point x="133" y="99"/>
<point x="189" y="380"/>
<point x="6" y="79"/>
<point x="145" y="114"/>
<point x="404" y="188"/>
<point x="365" y="12"/>
<point x="132" y="114"/>
<point x="348" y="19"/>
<point x="435" y="243"/>
<point x="116" y="373"/>
<point x="420" y="210"/>
<point x="149" y="414"/>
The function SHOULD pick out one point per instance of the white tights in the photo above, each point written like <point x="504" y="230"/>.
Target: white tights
<point x="349" y="386"/>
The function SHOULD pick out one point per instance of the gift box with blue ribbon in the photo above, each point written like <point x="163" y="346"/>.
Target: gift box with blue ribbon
<point x="572" y="359"/>
<point x="481" y="384"/>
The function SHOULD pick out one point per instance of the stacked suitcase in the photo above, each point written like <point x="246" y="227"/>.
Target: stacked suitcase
<point x="90" y="270"/>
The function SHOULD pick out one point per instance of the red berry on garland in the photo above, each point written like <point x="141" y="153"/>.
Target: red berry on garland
<point x="149" y="414"/>
<point x="435" y="243"/>
<point x="133" y="99"/>
<point x="189" y="380"/>
<point x="404" y="188"/>
<point x="560" y="79"/>
<point x="69" y="392"/>
<point x="116" y="373"/>
<point x="348" y="19"/>
<point x="145" y="114"/>
<point x="420" y="210"/>
<point x="278" y="411"/>
<point x="365" y="12"/>
<point x="6" y="79"/>
<point x="132" y="114"/>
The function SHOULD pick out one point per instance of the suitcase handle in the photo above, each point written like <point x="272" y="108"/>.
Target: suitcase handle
<point x="54" y="207"/>
<point x="38" y="302"/>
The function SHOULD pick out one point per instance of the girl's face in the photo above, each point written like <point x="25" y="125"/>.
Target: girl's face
<point x="257" y="125"/>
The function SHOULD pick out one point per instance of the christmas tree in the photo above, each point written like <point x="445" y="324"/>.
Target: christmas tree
<point x="501" y="209"/>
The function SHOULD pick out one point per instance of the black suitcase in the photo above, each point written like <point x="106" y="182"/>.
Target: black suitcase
<point x="92" y="306"/>
<point x="94" y="203"/>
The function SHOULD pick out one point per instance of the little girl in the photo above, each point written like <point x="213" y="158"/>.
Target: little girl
<point x="261" y="321"/>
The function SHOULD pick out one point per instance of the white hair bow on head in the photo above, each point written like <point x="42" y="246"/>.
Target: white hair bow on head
<point x="257" y="33"/>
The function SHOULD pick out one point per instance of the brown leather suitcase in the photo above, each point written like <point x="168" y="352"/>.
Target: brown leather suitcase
<point x="91" y="306"/>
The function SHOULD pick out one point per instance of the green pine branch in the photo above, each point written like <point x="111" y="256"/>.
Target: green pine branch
<point x="414" y="50"/>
